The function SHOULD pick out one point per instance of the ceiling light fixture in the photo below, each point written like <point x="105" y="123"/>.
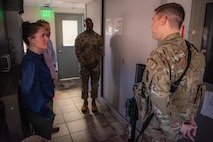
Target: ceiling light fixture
<point x="46" y="7"/>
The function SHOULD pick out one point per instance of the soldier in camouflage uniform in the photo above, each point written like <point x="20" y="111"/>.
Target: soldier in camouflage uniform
<point x="89" y="51"/>
<point x="173" y="113"/>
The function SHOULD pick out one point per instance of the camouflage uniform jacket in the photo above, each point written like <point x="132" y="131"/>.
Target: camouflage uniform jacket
<point x="89" y="48"/>
<point x="165" y="65"/>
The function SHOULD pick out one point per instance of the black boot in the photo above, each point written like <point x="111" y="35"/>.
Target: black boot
<point x="55" y="130"/>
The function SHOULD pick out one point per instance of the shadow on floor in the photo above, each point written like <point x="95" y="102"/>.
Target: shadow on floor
<point x="78" y="127"/>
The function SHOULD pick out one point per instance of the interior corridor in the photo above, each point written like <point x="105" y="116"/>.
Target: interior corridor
<point x="78" y="127"/>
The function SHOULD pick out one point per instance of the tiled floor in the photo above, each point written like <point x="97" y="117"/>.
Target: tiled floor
<point x="78" y="127"/>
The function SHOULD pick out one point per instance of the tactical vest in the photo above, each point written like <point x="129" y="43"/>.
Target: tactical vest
<point x="194" y="89"/>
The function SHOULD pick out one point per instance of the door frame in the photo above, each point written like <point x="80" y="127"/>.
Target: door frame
<point x="198" y="10"/>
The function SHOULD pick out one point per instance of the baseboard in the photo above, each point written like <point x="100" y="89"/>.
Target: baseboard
<point x="117" y="116"/>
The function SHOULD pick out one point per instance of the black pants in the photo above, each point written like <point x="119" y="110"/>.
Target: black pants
<point x="41" y="125"/>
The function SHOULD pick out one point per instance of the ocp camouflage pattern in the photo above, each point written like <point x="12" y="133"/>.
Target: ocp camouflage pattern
<point x="165" y="65"/>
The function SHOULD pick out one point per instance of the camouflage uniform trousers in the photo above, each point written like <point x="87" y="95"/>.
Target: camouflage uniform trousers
<point x="86" y="73"/>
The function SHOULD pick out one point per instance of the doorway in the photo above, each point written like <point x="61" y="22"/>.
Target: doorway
<point x="68" y="26"/>
<point x="207" y="42"/>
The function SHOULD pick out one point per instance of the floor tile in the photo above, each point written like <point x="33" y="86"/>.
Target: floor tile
<point x="103" y="133"/>
<point x="83" y="136"/>
<point x="109" y="117"/>
<point x="62" y="132"/>
<point x="115" y="139"/>
<point x="72" y="115"/>
<point x="68" y="108"/>
<point x="77" y="99"/>
<point x="56" y="108"/>
<point x="78" y="127"/>
<point x="58" y="119"/>
<point x="66" y="138"/>
<point x="64" y="101"/>
<point x="118" y="128"/>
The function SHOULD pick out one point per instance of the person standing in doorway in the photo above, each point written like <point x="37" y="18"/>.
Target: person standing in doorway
<point x="36" y="85"/>
<point x="173" y="112"/>
<point x="89" y="51"/>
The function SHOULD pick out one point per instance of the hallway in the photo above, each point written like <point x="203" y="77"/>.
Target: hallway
<point x="78" y="127"/>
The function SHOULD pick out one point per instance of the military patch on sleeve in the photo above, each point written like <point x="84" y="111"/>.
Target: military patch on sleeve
<point x="151" y="64"/>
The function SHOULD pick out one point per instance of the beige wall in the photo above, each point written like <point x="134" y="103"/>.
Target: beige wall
<point x="94" y="11"/>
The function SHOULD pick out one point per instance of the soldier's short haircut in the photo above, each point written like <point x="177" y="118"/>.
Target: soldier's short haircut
<point x="174" y="13"/>
<point x="88" y="19"/>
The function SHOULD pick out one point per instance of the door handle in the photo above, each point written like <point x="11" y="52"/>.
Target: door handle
<point x="60" y="51"/>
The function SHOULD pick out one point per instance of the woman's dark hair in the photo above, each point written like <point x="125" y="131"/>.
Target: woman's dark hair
<point x="29" y="30"/>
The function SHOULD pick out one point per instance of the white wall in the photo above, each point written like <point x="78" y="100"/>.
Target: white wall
<point x="94" y="11"/>
<point x="126" y="48"/>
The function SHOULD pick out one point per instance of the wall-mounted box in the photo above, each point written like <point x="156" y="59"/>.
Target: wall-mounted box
<point x="5" y="63"/>
<point x="13" y="5"/>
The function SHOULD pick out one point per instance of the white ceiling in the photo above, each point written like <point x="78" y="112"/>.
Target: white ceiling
<point x="58" y="3"/>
